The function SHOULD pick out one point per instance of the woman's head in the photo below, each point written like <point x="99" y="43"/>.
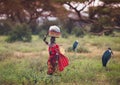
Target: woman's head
<point x="52" y="39"/>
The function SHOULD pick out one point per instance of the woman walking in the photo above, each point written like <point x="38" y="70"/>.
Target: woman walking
<point x="56" y="61"/>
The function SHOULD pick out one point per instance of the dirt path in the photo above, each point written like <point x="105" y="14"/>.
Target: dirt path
<point x="29" y="54"/>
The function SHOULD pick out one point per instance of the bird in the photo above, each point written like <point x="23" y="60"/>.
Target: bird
<point x="106" y="57"/>
<point x="75" y="44"/>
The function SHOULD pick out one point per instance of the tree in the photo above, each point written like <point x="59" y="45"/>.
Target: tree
<point x="111" y="1"/>
<point x="107" y="15"/>
<point x="24" y="11"/>
<point x="28" y="10"/>
<point x="74" y="5"/>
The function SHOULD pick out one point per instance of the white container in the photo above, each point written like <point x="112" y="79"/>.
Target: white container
<point x="54" y="31"/>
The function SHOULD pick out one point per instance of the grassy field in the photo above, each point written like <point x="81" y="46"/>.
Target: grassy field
<point x="25" y="63"/>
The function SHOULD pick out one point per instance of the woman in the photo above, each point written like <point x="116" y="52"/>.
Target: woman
<point x="56" y="61"/>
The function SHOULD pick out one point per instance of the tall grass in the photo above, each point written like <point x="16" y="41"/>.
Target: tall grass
<point x="82" y="69"/>
<point x="104" y="41"/>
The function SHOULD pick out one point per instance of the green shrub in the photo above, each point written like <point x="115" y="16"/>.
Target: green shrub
<point x="78" y="32"/>
<point x="20" y="32"/>
<point x="105" y="21"/>
<point x="64" y="34"/>
<point x="96" y="27"/>
<point x="42" y="33"/>
<point x="5" y="27"/>
<point x="69" y="49"/>
<point x="82" y="49"/>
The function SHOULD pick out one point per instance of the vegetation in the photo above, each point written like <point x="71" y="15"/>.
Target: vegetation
<point x="25" y="63"/>
<point x="25" y="22"/>
<point x="35" y="14"/>
<point x="20" y="33"/>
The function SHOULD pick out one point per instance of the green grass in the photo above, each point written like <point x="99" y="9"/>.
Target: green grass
<point x="82" y="69"/>
<point x="104" y="41"/>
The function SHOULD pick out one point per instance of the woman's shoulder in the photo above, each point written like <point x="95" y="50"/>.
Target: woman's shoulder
<point x="56" y="45"/>
<point x="53" y="45"/>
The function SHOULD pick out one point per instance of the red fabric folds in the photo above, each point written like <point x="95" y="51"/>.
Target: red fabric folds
<point x="62" y="60"/>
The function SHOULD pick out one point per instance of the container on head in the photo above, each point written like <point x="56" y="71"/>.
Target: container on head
<point x="54" y="31"/>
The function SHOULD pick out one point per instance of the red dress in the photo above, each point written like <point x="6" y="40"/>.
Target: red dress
<point x="56" y="59"/>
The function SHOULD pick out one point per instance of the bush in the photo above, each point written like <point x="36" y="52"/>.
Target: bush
<point x="82" y="49"/>
<point x="78" y="32"/>
<point x="110" y="32"/>
<point x="105" y="21"/>
<point x="42" y="33"/>
<point x="64" y="33"/>
<point x="70" y="49"/>
<point x="5" y="27"/>
<point x="96" y="28"/>
<point x="20" y="32"/>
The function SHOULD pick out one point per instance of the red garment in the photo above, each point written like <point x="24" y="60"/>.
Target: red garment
<point x="62" y="60"/>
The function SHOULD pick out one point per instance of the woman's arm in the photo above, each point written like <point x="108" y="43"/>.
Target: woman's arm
<point x="44" y="39"/>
